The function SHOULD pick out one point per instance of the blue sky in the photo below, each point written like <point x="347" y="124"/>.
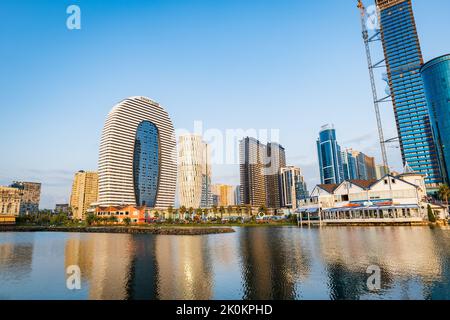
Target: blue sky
<point x="285" y="64"/>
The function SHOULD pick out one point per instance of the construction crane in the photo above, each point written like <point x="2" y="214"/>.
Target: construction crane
<point x="367" y="40"/>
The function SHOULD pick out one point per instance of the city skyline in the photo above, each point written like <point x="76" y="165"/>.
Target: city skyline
<point x="76" y="93"/>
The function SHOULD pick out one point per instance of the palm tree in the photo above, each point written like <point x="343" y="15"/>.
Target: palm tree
<point x="191" y="212"/>
<point x="127" y="221"/>
<point x="198" y="212"/>
<point x="263" y="209"/>
<point x="230" y="210"/>
<point x="444" y="193"/>
<point x="222" y="211"/>
<point x="183" y="211"/>
<point x="214" y="209"/>
<point x="205" y="212"/>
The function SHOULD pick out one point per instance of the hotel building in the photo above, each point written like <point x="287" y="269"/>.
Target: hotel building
<point x="137" y="161"/>
<point x="293" y="187"/>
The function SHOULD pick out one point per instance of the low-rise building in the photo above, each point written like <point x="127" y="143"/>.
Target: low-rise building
<point x="135" y="214"/>
<point x="10" y="199"/>
<point x="400" y="196"/>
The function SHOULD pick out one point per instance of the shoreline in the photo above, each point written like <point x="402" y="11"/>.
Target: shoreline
<point x="182" y="231"/>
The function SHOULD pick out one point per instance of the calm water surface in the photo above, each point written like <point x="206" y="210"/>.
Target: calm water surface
<point x="253" y="263"/>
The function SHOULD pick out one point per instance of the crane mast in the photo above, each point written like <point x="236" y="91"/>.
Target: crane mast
<point x="367" y="40"/>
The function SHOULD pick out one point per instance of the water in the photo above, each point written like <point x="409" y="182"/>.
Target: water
<point x="253" y="263"/>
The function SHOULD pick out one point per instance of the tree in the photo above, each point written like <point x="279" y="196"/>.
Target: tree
<point x="431" y="216"/>
<point x="91" y="219"/>
<point x="222" y="211"/>
<point x="156" y="214"/>
<point x="127" y="221"/>
<point x="183" y="211"/>
<point x="230" y="209"/>
<point x="215" y="210"/>
<point x="444" y="193"/>
<point x="170" y="211"/>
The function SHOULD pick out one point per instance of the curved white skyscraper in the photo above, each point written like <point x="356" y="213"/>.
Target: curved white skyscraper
<point x="191" y="163"/>
<point x="137" y="161"/>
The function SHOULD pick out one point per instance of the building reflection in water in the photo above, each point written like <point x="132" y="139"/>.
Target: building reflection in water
<point x="184" y="268"/>
<point x="273" y="263"/>
<point x="105" y="261"/>
<point x="16" y="256"/>
<point x="401" y="253"/>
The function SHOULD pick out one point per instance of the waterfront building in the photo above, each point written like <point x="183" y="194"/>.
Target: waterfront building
<point x="276" y="159"/>
<point x="436" y="78"/>
<point x="10" y="199"/>
<point x="62" y="208"/>
<point x="30" y="196"/>
<point x="137" y="160"/>
<point x="84" y="193"/>
<point x="137" y="215"/>
<point x="293" y="187"/>
<point x="404" y="59"/>
<point x="330" y="157"/>
<point x="393" y="197"/>
<point x="252" y="154"/>
<point x="224" y="194"/>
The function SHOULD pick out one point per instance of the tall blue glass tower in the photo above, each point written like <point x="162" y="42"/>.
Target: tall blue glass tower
<point x="330" y="158"/>
<point x="436" y="78"/>
<point x="403" y="60"/>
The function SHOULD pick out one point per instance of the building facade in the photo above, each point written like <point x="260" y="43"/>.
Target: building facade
<point x="330" y="157"/>
<point x="237" y="196"/>
<point x="30" y="196"/>
<point x="436" y="78"/>
<point x="194" y="172"/>
<point x="276" y="159"/>
<point x="252" y="154"/>
<point x="63" y="208"/>
<point x="357" y="165"/>
<point x="293" y="187"/>
<point x="404" y="59"/>
<point x="224" y="194"/>
<point x="84" y="193"/>
<point x="10" y="201"/>
<point x="137" y="160"/>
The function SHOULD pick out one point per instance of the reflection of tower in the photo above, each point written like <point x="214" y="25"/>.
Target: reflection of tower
<point x="105" y="263"/>
<point x="142" y="283"/>
<point x="15" y="257"/>
<point x="271" y="265"/>
<point x="184" y="269"/>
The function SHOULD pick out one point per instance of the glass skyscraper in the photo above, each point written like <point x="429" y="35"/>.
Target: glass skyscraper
<point x="330" y="158"/>
<point x="404" y="60"/>
<point x="436" y="77"/>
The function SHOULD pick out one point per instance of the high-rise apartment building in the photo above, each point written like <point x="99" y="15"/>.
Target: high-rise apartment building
<point x="253" y="160"/>
<point x="84" y="193"/>
<point x="30" y="196"/>
<point x="194" y="172"/>
<point x="293" y="187"/>
<point x="276" y="159"/>
<point x="404" y="59"/>
<point x="207" y="197"/>
<point x="9" y="201"/>
<point x="330" y="157"/>
<point x="138" y="160"/>
<point x="436" y="77"/>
